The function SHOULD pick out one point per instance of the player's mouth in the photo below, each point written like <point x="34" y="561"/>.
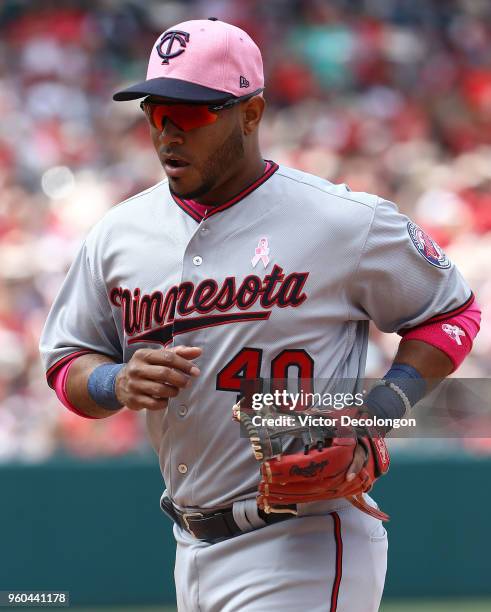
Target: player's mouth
<point x="174" y="166"/>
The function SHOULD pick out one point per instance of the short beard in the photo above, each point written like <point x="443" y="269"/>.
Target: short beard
<point x="225" y="157"/>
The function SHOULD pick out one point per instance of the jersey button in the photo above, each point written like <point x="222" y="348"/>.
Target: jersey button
<point x="183" y="468"/>
<point x="197" y="260"/>
<point x="204" y="230"/>
<point x="182" y="410"/>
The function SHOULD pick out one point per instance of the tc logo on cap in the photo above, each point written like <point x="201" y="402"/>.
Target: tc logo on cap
<point x="170" y="38"/>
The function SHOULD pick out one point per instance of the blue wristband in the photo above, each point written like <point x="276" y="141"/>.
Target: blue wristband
<point x="101" y="385"/>
<point x="384" y="402"/>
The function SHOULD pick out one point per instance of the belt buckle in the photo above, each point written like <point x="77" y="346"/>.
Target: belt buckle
<point x="186" y="515"/>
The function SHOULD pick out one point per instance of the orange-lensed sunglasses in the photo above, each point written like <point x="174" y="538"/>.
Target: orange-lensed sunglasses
<point x="186" y="116"/>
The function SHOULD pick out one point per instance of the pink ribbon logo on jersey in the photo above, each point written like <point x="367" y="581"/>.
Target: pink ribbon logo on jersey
<point x="454" y="332"/>
<point x="261" y="253"/>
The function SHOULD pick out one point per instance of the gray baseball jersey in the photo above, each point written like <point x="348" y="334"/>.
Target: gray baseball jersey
<point x="280" y="281"/>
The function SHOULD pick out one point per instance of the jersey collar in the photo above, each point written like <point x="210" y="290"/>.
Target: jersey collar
<point x="199" y="212"/>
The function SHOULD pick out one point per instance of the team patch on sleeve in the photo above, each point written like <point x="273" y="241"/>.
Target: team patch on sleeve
<point x="427" y="247"/>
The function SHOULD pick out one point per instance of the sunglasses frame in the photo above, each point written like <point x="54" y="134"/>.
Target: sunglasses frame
<point x="234" y="101"/>
<point x="213" y="108"/>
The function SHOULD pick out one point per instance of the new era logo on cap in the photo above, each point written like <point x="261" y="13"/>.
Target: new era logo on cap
<point x="244" y="82"/>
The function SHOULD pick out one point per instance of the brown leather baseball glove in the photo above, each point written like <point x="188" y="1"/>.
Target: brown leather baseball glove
<point x="318" y="470"/>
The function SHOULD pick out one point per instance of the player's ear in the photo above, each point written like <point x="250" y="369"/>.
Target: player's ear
<point x="252" y="112"/>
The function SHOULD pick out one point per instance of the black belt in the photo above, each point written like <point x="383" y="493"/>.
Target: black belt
<point x="215" y="525"/>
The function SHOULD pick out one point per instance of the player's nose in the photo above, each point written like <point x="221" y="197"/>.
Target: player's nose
<point x="171" y="133"/>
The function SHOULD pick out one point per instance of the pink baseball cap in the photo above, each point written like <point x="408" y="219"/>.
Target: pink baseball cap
<point x="204" y="60"/>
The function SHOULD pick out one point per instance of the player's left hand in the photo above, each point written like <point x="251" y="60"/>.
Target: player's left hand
<point x="359" y="461"/>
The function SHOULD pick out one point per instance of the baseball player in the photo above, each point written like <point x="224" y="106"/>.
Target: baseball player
<point x="234" y="268"/>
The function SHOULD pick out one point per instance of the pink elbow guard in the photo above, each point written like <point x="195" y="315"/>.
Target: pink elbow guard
<point x="59" y="379"/>
<point x="453" y="332"/>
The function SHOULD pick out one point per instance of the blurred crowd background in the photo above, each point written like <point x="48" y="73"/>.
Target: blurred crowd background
<point x="390" y="96"/>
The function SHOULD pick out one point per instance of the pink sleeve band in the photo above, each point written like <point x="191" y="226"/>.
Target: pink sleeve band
<point x="453" y="335"/>
<point x="59" y="379"/>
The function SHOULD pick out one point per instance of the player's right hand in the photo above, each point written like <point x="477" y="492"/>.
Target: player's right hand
<point x="152" y="376"/>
